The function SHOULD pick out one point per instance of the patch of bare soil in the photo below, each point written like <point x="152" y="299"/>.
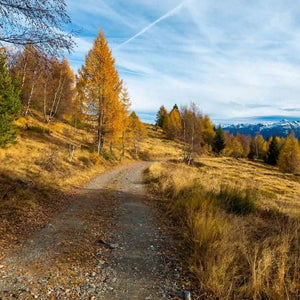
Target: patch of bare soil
<point x="108" y="244"/>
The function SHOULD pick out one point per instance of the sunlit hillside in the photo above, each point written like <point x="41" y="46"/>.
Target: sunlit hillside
<point x="38" y="177"/>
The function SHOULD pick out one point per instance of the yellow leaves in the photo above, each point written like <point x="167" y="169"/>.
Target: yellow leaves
<point x="103" y="94"/>
<point x="172" y="124"/>
<point x="208" y="131"/>
<point x="289" y="158"/>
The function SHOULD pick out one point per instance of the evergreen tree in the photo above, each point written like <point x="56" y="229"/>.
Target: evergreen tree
<point x="252" y="150"/>
<point x="161" y="116"/>
<point x="273" y="152"/>
<point x="10" y="105"/>
<point x="219" y="141"/>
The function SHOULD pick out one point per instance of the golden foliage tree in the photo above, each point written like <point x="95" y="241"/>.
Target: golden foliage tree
<point x="125" y="104"/>
<point x="191" y="132"/>
<point x="233" y="147"/>
<point x="260" y="147"/>
<point x="173" y="124"/>
<point x="289" y="157"/>
<point x="137" y="131"/>
<point x="62" y="89"/>
<point x="101" y="87"/>
<point x="47" y="84"/>
<point x="208" y="131"/>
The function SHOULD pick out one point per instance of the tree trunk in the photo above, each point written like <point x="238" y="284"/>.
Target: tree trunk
<point x="111" y="149"/>
<point x="55" y="98"/>
<point x="29" y="99"/>
<point x="123" y="144"/>
<point x="24" y="75"/>
<point x="45" y="102"/>
<point x="59" y="98"/>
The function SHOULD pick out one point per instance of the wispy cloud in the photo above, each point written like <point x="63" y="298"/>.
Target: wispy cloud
<point x="148" y="27"/>
<point x="235" y="59"/>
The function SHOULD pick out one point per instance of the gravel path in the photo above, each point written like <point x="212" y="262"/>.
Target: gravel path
<point x="107" y="245"/>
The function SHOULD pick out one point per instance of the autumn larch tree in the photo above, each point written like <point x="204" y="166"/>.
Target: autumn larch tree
<point x="174" y="126"/>
<point x="233" y="147"/>
<point x="208" y="131"/>
<point x="137" y="131"/>
<point x="289" y="157"/>
<point x="125" y="104"/>
<point x="101" y="87"/>
<point x="10" y="105"/>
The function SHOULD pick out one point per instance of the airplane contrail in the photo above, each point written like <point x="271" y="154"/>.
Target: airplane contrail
<point x="165" y="16"/>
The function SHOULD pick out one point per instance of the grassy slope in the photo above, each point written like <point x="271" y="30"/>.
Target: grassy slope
<point x="37" y="180"/>
<point x="251" y="254"/>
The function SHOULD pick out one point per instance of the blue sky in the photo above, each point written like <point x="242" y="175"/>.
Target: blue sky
<point x="235" y="59"/>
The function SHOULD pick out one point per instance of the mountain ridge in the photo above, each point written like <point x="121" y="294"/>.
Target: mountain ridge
<point x="281" y="128"/>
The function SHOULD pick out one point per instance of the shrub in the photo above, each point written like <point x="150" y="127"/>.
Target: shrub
<point x="107" y="156"/>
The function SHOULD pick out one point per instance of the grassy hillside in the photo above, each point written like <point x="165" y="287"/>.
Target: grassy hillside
<point x="37" y="179"/>
<point x="240" y="220"/>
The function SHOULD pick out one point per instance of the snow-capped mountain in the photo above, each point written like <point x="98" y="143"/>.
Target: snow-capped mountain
<point x="281" y="128"/>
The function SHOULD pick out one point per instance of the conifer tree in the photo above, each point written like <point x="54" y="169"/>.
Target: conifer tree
<point x="273" y="152"/>
<point x="125" y="104"/>
<point x="208" y="130"/>
<point x="219" y="141"/>
<point x="252" y="150"/>
<point x="289" y="157"/>
<point x="174" y="124"/>
<point x="101" y="88"/>
<point x="161" y="116"/>
<point x="137" y="130"/>
<point x="10" y="105"/>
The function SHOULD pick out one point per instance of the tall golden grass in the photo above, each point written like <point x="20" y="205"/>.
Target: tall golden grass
<point x="243" y="245"/>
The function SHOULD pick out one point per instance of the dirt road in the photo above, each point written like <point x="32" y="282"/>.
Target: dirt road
<point x="107" y="245"/>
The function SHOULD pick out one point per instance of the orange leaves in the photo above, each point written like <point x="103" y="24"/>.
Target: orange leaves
<point x="101" y="86"/>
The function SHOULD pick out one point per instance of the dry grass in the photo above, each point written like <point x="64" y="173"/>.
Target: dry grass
<point x="36" y="177"/>
<point x="157" y="146"/>
<point x="251" y="252"/>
